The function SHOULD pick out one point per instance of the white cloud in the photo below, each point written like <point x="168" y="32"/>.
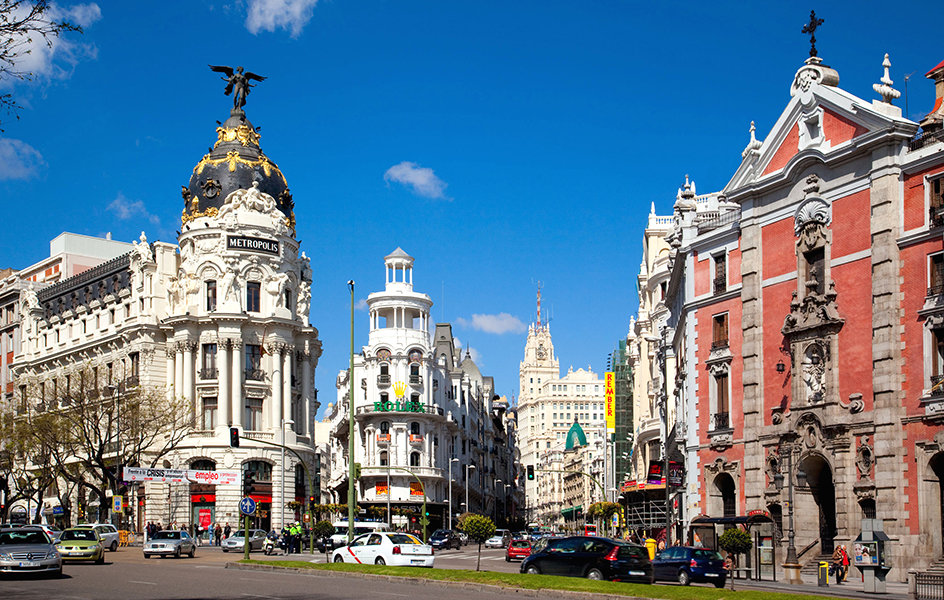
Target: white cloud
<point x="269" y="15"/>
<point x="498" y="324"/>
<point x="55" y="58"/>
<point x="360" y="305"/>
<point x="19" y="160"/>
<point x="132" y="209"/>
<point x="422" y="179"/>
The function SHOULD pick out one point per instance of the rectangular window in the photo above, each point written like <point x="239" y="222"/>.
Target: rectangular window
<point x="135" y="366"/>
<point x="936" y="202"/>
<point x="721" y="273"/>
<point x="209" y="413"/>
<point x="209" y="370"/>
<point x="211" y="296"/>
<point x="252" y="297"/>
<point x="254" y="363"/>
<point x="936" y="275"/>
<point x="253" y="414"/>
<point x="719" y="331"/>
<point x="937" y="362"/>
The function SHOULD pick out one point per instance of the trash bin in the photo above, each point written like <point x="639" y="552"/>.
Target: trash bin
<point x="823" y="574"/>
<point x="651" y="545"/>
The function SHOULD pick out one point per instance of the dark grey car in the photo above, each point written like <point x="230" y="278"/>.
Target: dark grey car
<point x="28" y="550"/>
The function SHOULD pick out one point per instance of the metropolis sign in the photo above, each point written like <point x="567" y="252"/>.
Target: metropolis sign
<point x="251" y="244"/>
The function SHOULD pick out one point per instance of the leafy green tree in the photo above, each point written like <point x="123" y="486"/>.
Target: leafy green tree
<point x="735" y="541"/>
<point x="479" y="528"/>
<point x="323" y="530"/>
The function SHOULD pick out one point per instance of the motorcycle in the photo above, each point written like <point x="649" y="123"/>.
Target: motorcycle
<point x="274" y="540"/>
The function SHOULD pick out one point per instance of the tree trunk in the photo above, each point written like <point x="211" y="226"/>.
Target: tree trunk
<point x="478" y="562"/>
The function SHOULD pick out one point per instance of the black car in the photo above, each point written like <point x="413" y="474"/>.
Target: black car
<point x="591" y="557"/>
<point x="443" y="539"/>
<point x="686" y="564"/>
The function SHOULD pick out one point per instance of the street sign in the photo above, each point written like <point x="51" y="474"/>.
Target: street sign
<point x="307" y="517"/>
<point x="247" y="506"/>
<point x="116" y="503"/>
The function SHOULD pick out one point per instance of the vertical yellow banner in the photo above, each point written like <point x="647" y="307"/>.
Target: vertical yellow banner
<point x="610" y="390"/>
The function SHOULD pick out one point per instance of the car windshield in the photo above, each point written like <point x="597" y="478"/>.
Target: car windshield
<point x="23" y="537"/>
<point x="403" y="538"/>
<point x="239" y="534"/>
<point x="520" y="544"/>
<point x="440" y="533"/>
<point x="167" y="535"/>
<point x="707" y="554"/>
<point x="86" y="535"/>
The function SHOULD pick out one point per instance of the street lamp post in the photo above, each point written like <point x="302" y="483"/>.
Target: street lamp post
<point x="664" y="413"/>
<point x="505" y="501"/>
<point x="452" y="460"/>
<point x="282" y="502"/>
<point x="791" y="568"/>
<point x="351" y="492"/>
<point x="468" y="506"/>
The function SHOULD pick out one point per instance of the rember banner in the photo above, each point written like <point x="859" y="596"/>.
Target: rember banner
<point x="610" y="391"/>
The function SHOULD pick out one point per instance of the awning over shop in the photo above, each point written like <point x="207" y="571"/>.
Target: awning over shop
<point x="570" y="512"/>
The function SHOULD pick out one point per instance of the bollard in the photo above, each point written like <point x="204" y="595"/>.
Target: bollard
<point x="823" y="574"/>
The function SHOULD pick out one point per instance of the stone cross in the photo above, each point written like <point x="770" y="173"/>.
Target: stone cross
<point x="810" y="28"/>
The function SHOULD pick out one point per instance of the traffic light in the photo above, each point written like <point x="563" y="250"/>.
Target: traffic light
<point x="530" y="472"/>
<point x="248" y="484"/>
<point x="311" y="503"/>
<point x="234" y="437"/>
<point x="357" y="470"/>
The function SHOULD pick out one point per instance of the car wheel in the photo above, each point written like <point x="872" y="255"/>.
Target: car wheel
<point x="684" y="578"/>
<point x="147" y="556"/>
<point x="193" y="552"/>
<point x="338" y="558"/>
<point x="225" y="550"/>
<point x="595" y="574"/>
<point x="380" y="561"/>
<point x="177" y="552"/>
<point x="101" y="558"/>
<point x="57" y="574"/>
<point x="507" y="559"/>
<point x="114" y="547"/>
<point x="719" y="584"/>
<point x="533" y="570"/>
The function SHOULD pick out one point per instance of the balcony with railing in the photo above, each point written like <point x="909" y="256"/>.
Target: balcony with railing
<point x="722" y="421"/>
<point x="936" y="289"/>
<point x="255" y="375"/>
<point x="416" y="380"/>
<point x="132" y="381"/>
<point x="383" y="380"/>
<point x="925" y="138"/>
<point x="936" y="216"/>
<point x="719" y="344"/>
<point x="720" y="284"/>
<point x="207" y="373"/>
<point x="383" y="438"/>
<point x="937" y="385"/>
<point x="416" y="439"/>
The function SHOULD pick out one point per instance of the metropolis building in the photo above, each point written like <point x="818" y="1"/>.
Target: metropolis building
<point x="424" y="416"/>
<point x="218" y="321"/>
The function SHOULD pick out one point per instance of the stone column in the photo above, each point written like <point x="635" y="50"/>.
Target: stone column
<point x="236" y="389"/>
<point x="189" y="346"/>
<point x="223" y="378"/>
<point x="275" y="406"/>
<point x="287" y="384"/>
<point x="171" y="371"/>
<point x="179" y="370"/>
<point x="305" y="366"/>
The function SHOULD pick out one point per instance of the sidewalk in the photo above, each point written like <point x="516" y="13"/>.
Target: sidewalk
<point x="851" y="588"/>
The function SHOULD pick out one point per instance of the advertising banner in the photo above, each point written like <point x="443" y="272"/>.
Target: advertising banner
<point x="676" y="474"/>
<point x="181" y="475"/>
<point x="655" y="473"/>
<point x="204" y="515"/>
<point x="866" y="554"/>
<point x="416" y="489"/>
<point x="380" y="488"/>
<point x="610" y="393"/>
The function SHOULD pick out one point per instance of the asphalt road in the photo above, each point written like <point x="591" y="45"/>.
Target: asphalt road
<point x="128" y="576"/>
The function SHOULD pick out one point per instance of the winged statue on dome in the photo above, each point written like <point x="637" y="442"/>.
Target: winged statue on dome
<point x="237" y="83"/>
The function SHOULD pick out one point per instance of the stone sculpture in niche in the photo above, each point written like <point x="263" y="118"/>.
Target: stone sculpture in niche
<point x="303" y="305"/>
<point x="276" y="288"/>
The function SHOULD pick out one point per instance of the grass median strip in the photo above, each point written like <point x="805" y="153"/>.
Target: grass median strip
<point x="543" y="582"/>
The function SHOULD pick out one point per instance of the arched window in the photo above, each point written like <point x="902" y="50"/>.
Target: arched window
<point x="260" y="471"/>
<point x="725" y="486"/>
<point x="414" y="369"/>
<point x="384" y="369"/>
<point x="383" y="459"/>
<point x="203" y="465"/>
<point x="385" y="427"/>
<point x="414" y="459"/>
<point x="384" y="397"/>
<point x="414" y="428"/>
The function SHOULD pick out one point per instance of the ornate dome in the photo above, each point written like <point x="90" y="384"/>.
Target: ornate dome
<point x="576" y="437"/>
<point x="235" y="162"/>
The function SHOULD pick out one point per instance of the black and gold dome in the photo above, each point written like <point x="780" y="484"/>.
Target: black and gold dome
<point x="235" y="162"/>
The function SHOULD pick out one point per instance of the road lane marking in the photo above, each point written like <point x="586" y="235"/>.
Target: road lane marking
<point x="143" y="582"/>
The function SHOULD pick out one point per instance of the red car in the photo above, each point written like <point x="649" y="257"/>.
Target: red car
<point x="518" y="550"/>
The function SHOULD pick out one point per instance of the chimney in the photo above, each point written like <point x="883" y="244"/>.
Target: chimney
<point x="108" y="236"/>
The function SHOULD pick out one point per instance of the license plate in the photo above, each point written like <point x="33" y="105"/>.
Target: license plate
<point x="638" y="573"/>
<point x="711" y="574"/>
<point x="75" y="554"/>
<point x="417" y="562"/>
<point x="29" y="563"/>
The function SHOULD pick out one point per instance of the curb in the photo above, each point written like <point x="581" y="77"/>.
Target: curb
<point x="544" y="593"/>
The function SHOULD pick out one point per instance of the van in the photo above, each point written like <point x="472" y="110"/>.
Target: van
<point x="505" y="535"/>
<point x="360" y="527"/>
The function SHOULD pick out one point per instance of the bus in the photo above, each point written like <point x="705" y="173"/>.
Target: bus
<point x="589" y="529"/>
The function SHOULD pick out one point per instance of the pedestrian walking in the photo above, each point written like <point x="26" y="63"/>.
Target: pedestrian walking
<point x="218" y="533"/>
<point x="837" y="564"/>
<point x="845" y="562"/>
<point x="226" y="531"/>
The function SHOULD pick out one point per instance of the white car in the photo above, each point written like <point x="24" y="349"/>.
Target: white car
<point x="385" y="548"/>
<point x="496" y="541"/>
<point x="236" y="542"/>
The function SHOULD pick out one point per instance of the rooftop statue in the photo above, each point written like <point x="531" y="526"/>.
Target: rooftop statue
<point x="237" y="83"/>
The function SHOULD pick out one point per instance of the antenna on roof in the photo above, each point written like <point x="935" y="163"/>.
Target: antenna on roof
<point x="907" y="77"/>
<point x="540" y="285"/>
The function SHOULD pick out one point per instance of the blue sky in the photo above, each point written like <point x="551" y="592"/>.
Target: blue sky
<point x="499" y="143"/>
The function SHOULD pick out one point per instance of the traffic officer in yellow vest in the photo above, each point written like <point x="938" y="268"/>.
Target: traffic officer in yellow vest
<point x="296" y="538"/>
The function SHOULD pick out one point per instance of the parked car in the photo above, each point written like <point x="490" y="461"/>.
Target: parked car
<point x="81" y="543"/>
<point x="52" y="531"/>
<point x="237" y="541"/>
<point x="591" y="557"/>
<point x="107" y="532"/>
<point x="385" y="548"/>
<point x="518" y="550"/>
<point x="443" y="539"/>
<point x="496" y="541"/>
<point x="28" y="550"/>
<point x="464" y="538"/>
<point x="686" y="564"/>
<point x="170" y="543"/>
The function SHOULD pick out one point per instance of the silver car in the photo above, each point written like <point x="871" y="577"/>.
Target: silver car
<point x="236" y="542"/>
<point x="170" y="543"/>
<point x="107" y="532"/>
<point x="28" y="550"/>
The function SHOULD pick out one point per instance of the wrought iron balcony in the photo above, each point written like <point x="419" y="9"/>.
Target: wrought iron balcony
<point x="383" y="438"/>
<point x="416" y="380"/>
<point x="132" y="381"/>
<point x="383" y="380"/>
<point x="719" y="344"/>
<point x="209" y="373"/>
<point x="936" y="216"/>
<point x="936" y="290"/>
<point x="937" y="385"/>
<point x="416" y="439"/>
<point x="925" y="138"/>
<point x="255" y="375"/>
<point x="721" y="284"/>
<point x="722" y="421"/>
